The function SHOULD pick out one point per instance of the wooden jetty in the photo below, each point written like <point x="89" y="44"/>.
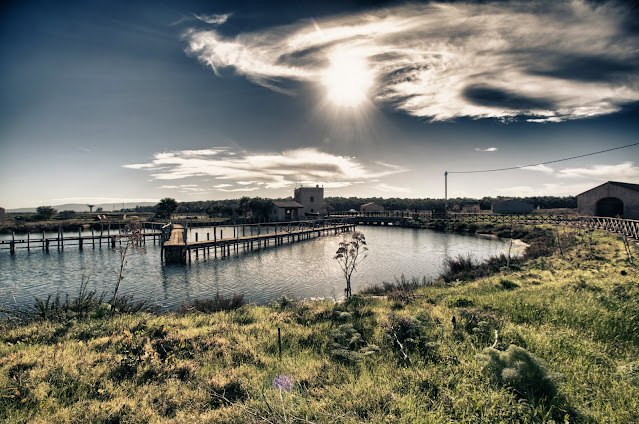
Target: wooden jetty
<point x="95" y="239"/>
<point x="177" y="249"/>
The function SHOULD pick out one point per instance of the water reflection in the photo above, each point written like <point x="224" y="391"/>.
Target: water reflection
<point x="299" y="270"/>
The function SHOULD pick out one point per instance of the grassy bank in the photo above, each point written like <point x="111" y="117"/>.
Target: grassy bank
<point x="409" y="353"/>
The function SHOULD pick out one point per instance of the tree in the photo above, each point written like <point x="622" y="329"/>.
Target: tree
<point x="45" y="212"/>
<point x="166" y="208"/>
<point x="348" y="256"/>
<point x="134" y="239"/>
<point x="260" y="208"/>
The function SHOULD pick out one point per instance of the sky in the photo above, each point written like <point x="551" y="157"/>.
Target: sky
<point x="120" y="101"/>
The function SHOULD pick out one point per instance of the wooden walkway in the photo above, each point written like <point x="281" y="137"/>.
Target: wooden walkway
<point x="60" y="240"/>
<point x="177" y="248"/>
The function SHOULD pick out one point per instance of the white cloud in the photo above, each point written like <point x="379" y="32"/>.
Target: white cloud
<point x="268" y="170"/>
<point x="489" y="149"/>
<point x="387" y="188"/>
<point x="213" y="19"/>
<point x="549" y="189"/>
<point x="539" y="168"/>
<point x="625" y="172"/>
<point x="549" y="61"/>
<point x="238" y="189"/>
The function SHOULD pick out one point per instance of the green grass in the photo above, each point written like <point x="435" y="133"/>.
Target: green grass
<point x="391" y="355"/>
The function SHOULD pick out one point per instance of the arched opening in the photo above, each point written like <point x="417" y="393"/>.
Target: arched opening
<point x="610" y="206"/>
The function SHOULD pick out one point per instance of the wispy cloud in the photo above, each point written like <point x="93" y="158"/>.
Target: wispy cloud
<point x="213" y="19"/>
<point x="625" y="172"/>
<point x="549" y="189"/>
<point x="488" y="149"/>
<point x="184" y="188"/>
<point x="544" y="60"/>
<point x="387" y="188"/>
<point x="233" y="190"/>
<point x="539" y="168"/>
<point x="271" y="171"/>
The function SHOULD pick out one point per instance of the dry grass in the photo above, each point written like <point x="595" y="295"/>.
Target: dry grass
<point x="371" y="359"/>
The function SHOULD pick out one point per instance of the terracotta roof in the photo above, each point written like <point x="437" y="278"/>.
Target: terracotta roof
<point x="287" y="204"/>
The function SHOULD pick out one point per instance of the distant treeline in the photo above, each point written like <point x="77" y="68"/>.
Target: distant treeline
<point x="485" y="203"/>
<point x="225" y="207"/>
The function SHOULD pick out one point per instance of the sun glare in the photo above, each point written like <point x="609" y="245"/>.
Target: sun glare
<point x="348" y="79"/>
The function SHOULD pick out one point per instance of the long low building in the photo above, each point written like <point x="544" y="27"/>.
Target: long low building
<point x="611" y="199"/>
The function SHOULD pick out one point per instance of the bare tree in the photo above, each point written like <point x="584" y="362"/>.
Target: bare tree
<point x="349" y="255"/>
<point x="133" y="238"/>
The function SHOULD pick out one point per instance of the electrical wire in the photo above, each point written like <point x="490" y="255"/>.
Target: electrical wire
<point x="541" y="163"/>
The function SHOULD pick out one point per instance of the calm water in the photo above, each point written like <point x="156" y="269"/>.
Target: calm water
<point x="304" y="270"/>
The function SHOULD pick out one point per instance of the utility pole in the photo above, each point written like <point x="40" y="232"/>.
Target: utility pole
<point x="445" y="192"/>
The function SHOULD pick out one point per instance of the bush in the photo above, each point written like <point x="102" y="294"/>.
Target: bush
<point x="217" y="304"/>
<point x="458" y="267"/>
<point x="518" y="369"/>
<point x="408" y="335"/>
<point x="349" y="347"/>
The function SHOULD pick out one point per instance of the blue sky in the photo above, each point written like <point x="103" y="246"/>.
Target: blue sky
<point x="135" y="101"/>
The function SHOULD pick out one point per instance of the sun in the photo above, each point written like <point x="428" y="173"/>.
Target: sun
<point x="347" y="79"/>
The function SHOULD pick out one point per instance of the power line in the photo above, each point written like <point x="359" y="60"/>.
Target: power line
<point x="541" y="163"/>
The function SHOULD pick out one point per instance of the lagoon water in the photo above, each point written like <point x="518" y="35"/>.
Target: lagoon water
<point x="301" y="270"/>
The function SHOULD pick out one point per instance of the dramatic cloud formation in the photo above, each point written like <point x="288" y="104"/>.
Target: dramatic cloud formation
<point x="622" y="172"/>
<point x="544" y="60"/>
<point x="252" y="171"/>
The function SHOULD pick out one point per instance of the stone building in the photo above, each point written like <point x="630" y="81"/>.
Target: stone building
<point x="471" y="208"/>
<point x="311" y="199"/>
<point x="610" y="199"/>
<point x="371" y="207"/>
<point x="512" y="206"/>
<point x="283" y="210"/>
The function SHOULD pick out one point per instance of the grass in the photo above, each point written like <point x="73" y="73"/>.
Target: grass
<point x="412" y="351"/>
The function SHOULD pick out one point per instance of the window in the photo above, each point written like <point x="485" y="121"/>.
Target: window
<point x="312" y="200"/>
<point x="312" y="210"/>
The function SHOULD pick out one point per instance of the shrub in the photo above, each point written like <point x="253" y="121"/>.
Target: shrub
<point x="459" y="267"/>
<point x="348" y="346"/>
<point x="518" y="369"/>
<point x="217" y="304"/>
<point x="411" y="335"/>
<point x="507" y="284"/>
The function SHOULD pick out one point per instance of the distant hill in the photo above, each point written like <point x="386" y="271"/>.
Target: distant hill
<point x="82" y="207"/>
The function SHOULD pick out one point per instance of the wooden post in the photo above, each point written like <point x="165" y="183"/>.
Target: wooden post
<point x="43" y="240"/>
<point x="279" y="341"/>
<point x="93" y="237"/>
<point x="80" y="237"/>
<point x="29" y="241"/>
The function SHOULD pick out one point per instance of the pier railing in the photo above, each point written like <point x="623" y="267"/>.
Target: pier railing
<point x="627" y="227"/>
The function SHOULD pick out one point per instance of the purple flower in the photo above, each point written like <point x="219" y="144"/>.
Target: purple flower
<point x="283" y="382"/>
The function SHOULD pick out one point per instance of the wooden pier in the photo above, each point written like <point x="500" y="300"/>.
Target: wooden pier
<point x="177" y="249"/>
<point x="93" y="240"/>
